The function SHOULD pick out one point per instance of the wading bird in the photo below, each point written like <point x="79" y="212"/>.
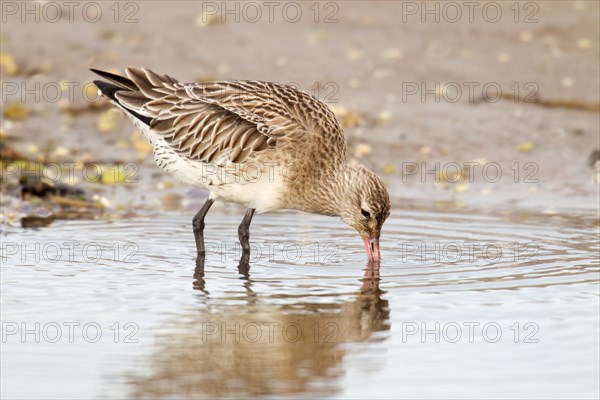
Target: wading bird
<point x="264" y="145"/>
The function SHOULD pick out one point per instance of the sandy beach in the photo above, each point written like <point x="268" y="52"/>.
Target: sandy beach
<point x="464" y="109"/>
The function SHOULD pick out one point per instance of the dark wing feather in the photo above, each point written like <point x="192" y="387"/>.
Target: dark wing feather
<point x="220" y="121"/>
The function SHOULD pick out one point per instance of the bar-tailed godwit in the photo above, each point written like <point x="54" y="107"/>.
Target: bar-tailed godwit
<point x="264" y="145"/>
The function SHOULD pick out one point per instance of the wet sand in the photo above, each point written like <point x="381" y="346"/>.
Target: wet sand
<point x="408" y="92"/>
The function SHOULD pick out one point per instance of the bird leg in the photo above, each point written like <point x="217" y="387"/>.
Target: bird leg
<point x="198" y="225"/>
<point x="199" y="282"/>
<point x="244" y="265"/>
<point x="244" y="231"/>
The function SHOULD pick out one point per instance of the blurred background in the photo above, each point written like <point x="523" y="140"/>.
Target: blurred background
<point x="493" y="105"/>
<point x="482" y="118"/>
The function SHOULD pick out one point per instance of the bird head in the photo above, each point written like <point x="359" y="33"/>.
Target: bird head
<point x="365" y="207"/>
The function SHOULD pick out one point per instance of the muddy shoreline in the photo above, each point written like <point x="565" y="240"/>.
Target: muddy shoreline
<point x="470" y="115"/>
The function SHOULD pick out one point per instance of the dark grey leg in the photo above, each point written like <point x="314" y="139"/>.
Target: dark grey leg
<point x="244" y="230"/>
<point x="244" y="265"/>
<point x="199" y="281"/>
<point x="198" y="225"/>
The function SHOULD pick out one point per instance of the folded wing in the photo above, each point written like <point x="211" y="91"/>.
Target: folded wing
<point x="224" y="120"/>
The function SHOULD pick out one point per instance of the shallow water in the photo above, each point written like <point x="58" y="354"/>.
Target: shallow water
<point x="468" y="305"/>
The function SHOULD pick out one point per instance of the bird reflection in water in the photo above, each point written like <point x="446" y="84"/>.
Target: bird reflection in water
<point x="286" y="346"/>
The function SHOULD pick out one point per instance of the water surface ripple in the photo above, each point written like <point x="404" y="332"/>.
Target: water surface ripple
<point x="467" y="305"/>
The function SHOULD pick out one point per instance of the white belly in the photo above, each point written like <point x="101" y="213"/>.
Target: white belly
<point x="238" y="183"/>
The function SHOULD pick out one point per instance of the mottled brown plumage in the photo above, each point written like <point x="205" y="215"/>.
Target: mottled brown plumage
<point x="282" y="134"/>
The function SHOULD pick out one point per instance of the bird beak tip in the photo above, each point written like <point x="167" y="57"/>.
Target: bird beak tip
<point x="372" y="248"/>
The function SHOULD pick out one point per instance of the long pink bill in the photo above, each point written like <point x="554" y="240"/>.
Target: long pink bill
<point x="372" y="249"/>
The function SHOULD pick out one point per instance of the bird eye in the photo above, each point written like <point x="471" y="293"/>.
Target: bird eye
<point x="365" y="213"/>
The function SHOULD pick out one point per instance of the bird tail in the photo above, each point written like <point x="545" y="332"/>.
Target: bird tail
<point x="117" y="84"/>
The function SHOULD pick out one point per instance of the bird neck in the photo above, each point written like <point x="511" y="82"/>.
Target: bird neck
<point x="328" y="193"/>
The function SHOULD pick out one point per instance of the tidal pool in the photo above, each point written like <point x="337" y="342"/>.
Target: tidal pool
<point x="466" y="305"/>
